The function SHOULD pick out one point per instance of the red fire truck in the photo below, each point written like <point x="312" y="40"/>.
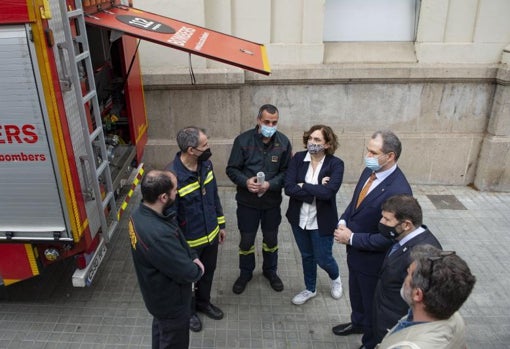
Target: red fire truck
<point x="73" y="123"/>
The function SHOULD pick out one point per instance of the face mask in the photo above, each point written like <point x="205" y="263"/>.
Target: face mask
<point x="372" y="163"/>
<point x="206" y="154"/>
<point x="405" y="295"/>
<point x="387" y="231"/>
<point x="314" y="148"/>
<point x="267" y="131"/>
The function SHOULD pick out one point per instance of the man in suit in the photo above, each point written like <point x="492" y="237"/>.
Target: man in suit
<point x="380" y="180"/>
<point x="401" y="221"/>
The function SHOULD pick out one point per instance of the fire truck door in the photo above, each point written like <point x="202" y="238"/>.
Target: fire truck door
<point x="185" y="37"/>
<point x="31" y="204"/>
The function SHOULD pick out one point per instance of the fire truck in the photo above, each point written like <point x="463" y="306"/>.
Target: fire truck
<point x="73" y="123"/>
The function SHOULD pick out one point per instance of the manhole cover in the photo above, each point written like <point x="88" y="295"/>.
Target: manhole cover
<point x="446" y="202"/>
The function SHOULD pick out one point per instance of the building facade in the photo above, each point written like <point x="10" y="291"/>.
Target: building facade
<point x="434" y="71"/>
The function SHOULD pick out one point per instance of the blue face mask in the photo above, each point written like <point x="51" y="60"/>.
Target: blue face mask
<point x="372" y="163"/>
<point x="267" y="131"/>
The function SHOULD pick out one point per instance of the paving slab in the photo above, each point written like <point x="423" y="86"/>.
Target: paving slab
<point x="47" y="312"/>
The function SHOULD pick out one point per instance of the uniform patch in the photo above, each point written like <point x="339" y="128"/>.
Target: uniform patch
<point x="132" y="235"/>
<point x="274" y="158"/>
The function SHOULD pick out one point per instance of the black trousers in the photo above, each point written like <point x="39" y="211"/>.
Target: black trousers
<point x="170" y="333"/>
<point x="208" y="255"/>
<point x="248" y="221"/>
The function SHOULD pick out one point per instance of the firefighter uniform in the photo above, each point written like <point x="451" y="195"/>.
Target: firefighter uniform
<point x="200" y="217"/>
<point x="165" y="270"/>
<point x="251" y="155"/>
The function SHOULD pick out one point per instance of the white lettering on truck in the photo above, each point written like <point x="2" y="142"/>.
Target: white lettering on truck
<point x="182" y="36"/>
<point x="201" y="41"/>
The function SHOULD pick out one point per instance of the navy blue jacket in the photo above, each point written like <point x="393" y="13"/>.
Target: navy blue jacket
<point x="325" y="195"/>
<point x="199" y="210"/>
<point x="389" y="307"/>
<point x="365" y="219"/>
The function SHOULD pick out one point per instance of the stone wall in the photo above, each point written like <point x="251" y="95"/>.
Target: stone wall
<point x="453" y="120"/>
<point x="446" y="93"/>
<point x="493" y="171"/>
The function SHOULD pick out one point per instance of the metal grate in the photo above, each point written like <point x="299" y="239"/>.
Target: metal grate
<point x="446" y="202"/>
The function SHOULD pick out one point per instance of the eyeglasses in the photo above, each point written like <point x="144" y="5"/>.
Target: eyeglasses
<point x="433" y="260"/>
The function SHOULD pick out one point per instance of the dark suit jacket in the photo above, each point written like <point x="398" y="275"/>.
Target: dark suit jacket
<point x="389" y="306"/>
<point x="367" y="257"/>
<point x="325" y="195"/>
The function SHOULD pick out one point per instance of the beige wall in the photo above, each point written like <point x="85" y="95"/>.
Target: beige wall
<point x="446" y="95"/>
<point x="441" y="116"/>
<point x="449" y="31"/>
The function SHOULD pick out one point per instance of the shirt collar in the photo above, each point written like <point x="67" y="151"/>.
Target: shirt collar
<point x="405" y="322"/>
<point x="308" y="158"/>
<point x="381" y="176"/>
<point x="411" y="235"/>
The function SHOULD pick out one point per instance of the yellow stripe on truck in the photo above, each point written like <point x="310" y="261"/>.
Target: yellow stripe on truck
<point x="136" y="181"/>
<point x="32" y="261"/>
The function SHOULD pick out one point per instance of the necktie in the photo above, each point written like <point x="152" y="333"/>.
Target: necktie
<point x="365" y="189"/>
<point x="394" y="248"/>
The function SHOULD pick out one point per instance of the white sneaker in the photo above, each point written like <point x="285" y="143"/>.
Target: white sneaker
<point x="303" y="296"/>
<point x="336" y="288"/>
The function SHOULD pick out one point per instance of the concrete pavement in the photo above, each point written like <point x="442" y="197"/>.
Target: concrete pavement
<point x="47" y="312"/>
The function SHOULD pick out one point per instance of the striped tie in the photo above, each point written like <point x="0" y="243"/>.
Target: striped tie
<point x="365" y="189"/>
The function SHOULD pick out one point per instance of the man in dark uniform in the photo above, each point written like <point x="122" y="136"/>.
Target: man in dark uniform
<point x="199" y="213"/>
<point x="165" y="266"/>
<point x="262" y="149"/>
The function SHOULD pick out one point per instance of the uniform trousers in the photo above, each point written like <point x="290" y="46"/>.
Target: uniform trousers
<point x="171" y="333"/>
<point x="208" y="255"/>
<point x="248" y="221"/>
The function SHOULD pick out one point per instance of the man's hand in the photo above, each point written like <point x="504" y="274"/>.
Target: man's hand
<point x="254" y="187"/>
<point x="222" y="236"/>
<point x="263" y="188"/>
<point x="343" y="235"/>
<point x="199" y="263"/>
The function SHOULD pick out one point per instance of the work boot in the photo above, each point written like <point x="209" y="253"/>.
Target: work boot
<point x="240" y="284"/>
<point x="211" y="311"/>
<point x="195" y="324"/>
<point x="274" y="280"/>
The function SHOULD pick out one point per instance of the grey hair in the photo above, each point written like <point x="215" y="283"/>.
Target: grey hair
<point x="391" y="143"/>
<point x="189" y="137"/>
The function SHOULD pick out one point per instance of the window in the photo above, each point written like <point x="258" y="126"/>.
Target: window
<point x="370" y="20"/>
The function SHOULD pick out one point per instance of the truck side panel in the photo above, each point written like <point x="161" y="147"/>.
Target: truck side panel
<point x="28" y="178"/>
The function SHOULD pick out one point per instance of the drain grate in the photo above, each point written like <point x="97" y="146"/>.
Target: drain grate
<point x="446" y="202"/>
